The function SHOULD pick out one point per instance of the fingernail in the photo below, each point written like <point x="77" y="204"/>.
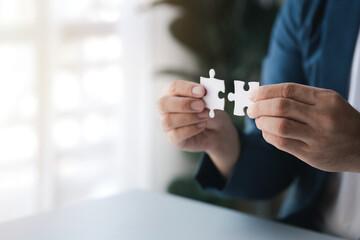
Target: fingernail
<point x="203" y="115"/>
<point x="198" y="91"/>
<point x="201" y="125"/>
<point x="252" y="94"/>
<point x="197" y="105"/>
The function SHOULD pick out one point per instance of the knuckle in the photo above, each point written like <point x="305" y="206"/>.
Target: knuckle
<point x="281" y="106"/>
<point x="288" y="90"/>
<point x="329" y="113"/>
<point x="174" y="135"/>
<point x="283" y="127"/>
<point x="330" y="124"/>
<point x="175" y="138"/>
<point x="329" y="96"/>
<point x="334" y="99"/>
<point x="281" y="142"/>
<point x="172" y="87"/>
<point x="167" y="122"/>
<point x="330" y="104"/>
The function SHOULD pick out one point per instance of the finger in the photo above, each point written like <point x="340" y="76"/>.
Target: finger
<point x="297" y="92"/>
<point x="170" y="104"/>
<point x="281" y="107"/>
<point x="292" y="146"/>
<point x="185" y="89"/>
<point x="177" y="120"/>
<point x="221" y="118"/>
<point x="180" y="135"/>
<point x="283" y="127"/>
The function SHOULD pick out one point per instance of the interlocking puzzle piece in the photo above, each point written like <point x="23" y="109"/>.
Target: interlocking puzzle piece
<point x="213" y="86"/>
<point x="240" y="97"/>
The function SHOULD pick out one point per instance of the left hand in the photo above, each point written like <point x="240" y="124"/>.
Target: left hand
<point x="315" y="125"/>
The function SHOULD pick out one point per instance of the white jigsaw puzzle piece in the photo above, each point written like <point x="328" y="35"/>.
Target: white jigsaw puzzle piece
<point x="241" y="97"/>
<point x="213" y="86"/>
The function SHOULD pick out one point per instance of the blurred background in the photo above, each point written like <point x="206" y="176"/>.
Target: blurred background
<point x="79" y="82"/>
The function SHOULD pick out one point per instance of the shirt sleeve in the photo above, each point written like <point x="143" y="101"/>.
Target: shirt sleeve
<point x="263" y="171"/>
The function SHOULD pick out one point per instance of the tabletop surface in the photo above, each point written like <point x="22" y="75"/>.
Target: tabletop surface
<point x="143" y="215"/>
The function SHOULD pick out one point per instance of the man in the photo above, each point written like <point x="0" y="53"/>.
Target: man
<point x="303" y="130"/>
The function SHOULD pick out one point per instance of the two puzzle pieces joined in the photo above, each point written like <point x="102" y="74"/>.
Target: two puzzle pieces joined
<point x="213" y="86"/>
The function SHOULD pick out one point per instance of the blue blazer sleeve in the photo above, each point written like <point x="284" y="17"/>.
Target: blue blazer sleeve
<point x="263" y="171"/>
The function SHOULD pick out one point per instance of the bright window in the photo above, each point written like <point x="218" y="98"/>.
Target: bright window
<point x="63" y="103"/>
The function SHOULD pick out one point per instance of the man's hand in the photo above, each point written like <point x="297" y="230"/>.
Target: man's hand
<point x="316" y="125"/>
<point x="187" y="126"/>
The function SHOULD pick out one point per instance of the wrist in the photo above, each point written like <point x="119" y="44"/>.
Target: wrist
<point x="226" y="150"/>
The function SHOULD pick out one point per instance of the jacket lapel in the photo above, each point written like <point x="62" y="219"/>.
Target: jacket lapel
<point x="341" y="28"/>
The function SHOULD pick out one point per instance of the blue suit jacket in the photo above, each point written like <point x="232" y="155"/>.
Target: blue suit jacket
<point x="312" y="43"/>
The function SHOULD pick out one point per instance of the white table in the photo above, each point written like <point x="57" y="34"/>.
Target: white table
<point x="141" y="215"/>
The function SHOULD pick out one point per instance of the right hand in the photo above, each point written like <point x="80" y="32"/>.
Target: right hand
<point x="187" y="125"/>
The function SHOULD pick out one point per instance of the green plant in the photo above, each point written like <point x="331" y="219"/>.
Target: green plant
<point x="228" y="35"/>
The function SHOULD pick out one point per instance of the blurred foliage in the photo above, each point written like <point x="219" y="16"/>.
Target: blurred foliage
<point x="187" y="186"/>
<point x="230" y="36"/>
